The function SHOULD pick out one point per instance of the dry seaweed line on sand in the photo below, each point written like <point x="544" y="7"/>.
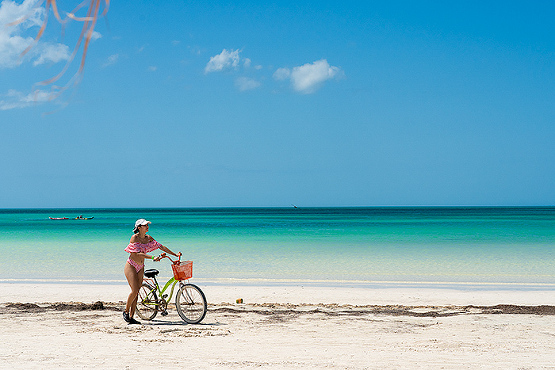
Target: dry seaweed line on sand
<point x="304" y="309"/>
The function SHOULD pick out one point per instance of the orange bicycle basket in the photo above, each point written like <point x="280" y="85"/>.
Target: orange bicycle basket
<point x="182" y="270"/>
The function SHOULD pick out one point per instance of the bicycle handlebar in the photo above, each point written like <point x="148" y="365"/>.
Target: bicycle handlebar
<point x="164" y="255"/>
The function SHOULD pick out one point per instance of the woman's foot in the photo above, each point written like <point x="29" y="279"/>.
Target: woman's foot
<point x="133" y="321"/>
<point x="126" y="317"/>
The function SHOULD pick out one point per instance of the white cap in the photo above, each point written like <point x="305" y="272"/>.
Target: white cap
<point x="140" y="222"/>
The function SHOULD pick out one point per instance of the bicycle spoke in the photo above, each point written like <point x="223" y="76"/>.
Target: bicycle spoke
<point x="147" y="302"/>
<point x="191" y="303"/>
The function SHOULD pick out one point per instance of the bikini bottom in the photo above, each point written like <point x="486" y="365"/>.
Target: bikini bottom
<point x="138" y="267"/>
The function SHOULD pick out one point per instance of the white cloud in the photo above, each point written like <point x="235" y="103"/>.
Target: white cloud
<point x="95" y="36"/>
<point x="309" y="77"/>
<point x="11" y="48"/>
<point x="282" y="74"/>
<point x="28" y="12"/>
<point x="112" y="59"/>
<point x="15" y="99"/>
<point x="15" y="20"/>
<point x="12" y="44"/>
<point x="304" y="79"/>
<point x="52" y="53"/>
<point x="246" y="83"/>
<point x="194" y="50"/>
<point x="223" y="61"/>
<point x="231" y="60"/>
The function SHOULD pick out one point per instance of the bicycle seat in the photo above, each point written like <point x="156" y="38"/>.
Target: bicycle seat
<point x="151" y="273"/>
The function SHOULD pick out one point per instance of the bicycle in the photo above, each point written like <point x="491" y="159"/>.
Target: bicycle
<point x="190" y="301"/>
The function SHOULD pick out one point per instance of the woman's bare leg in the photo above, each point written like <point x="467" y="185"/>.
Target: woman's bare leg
<point x="139" y="283"/>
<point x="135" y="280"/>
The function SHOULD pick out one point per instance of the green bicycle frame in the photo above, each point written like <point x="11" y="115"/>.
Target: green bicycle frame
<point x="171" y="282"/>
<point x="161" y="292"/>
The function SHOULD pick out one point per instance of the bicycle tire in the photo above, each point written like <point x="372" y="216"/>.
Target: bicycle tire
<point x="147" y="302"/>
<point x="190" y="303"/>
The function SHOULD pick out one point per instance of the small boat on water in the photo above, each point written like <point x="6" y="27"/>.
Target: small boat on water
<point x="67" y="218"/>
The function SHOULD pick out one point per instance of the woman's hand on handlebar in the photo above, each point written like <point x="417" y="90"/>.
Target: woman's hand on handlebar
<point x="164" y="255"/>
<point x="159" y="258"/>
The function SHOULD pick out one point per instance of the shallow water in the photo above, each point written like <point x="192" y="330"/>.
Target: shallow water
<point x="412" y="245"/>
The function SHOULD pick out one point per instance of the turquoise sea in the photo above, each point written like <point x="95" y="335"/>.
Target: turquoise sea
<point x="441" y="246"/>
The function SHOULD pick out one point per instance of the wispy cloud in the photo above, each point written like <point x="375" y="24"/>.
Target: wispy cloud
<point x="223" y="61"/>
<point x="13" y="42"/>
<point x="305" y="79"/>
<point x="27" y="11"/>
<point x="15" y="99"/>
<point x="246" y="83"/>
<point x="309" y="77"/>
<point x="230" y="60"/>
<point x="52" y="53"/>
<point x="112" y="59"/>
<point x="282" y="74"/>
<point x="95" y="35"/>
<point x="196" y="50"/>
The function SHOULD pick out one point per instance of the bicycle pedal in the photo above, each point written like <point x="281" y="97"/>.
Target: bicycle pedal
<point x="164" y="313"/>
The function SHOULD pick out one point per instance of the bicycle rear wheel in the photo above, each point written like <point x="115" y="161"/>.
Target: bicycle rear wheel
<point x="190" y="303"/>
<point x="147" y="302"/>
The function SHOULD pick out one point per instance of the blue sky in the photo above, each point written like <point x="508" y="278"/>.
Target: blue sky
<point x="313" y="103"/>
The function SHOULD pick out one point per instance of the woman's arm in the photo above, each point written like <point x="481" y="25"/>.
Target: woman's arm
<point x="167" y="250"/>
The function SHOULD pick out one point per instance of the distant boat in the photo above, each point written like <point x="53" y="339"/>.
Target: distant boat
<point x="294" y="206"/>
<point x="58" y="218"/>
<point x="83" y="218"/>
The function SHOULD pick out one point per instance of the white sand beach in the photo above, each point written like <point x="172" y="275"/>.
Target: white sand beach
<point x="281" y="327"/>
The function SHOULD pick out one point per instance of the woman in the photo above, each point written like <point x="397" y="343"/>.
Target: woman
<point x="139" y="245"/>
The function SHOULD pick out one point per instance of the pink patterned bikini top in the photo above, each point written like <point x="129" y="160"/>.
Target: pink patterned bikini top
<point x="143" y="248"/>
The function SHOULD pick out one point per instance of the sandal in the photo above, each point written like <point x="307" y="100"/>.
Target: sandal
<point x="133" y="321"/>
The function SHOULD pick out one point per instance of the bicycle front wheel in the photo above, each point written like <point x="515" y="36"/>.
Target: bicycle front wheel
<point x="147" y="302"/>
<point x="190" y="303"/>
